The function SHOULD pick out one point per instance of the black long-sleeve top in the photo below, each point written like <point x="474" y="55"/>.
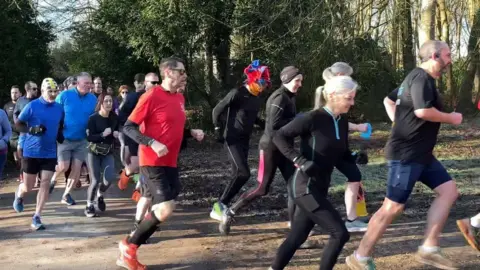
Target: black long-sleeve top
<point x="280" y="110"/>
<point x="324" y="139"/>
<point x="241" y="110"/>
<point x="97" y="124"/>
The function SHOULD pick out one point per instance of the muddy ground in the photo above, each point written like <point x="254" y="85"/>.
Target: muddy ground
<point x="191" y="240"/>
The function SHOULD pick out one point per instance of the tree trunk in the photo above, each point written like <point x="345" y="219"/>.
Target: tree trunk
<point x="465" y="103"/>
<point x="407" y="36"/>
<point x="394" y="36"/>
<point x="426" y="29"/>
<point x="445" y="36"/>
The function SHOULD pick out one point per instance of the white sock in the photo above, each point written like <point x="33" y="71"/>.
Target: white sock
<point x="361" y="258"/>
<point x="430" y="249"/>
<point x="475" y="221"/>
<point x="89" y="203"/>
<point x="99" y="193"/>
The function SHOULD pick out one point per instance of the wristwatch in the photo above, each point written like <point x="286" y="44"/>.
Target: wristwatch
<point x="150" y="142"/>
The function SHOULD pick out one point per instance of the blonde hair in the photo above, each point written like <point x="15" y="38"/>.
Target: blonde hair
<point x="338" y="85"/>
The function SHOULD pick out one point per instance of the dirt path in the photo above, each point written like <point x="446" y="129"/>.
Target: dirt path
<point x="189" y="241"/>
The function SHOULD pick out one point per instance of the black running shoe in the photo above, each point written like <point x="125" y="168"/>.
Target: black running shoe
<point x="90" y="211"/>
<point x="101" y="204"/>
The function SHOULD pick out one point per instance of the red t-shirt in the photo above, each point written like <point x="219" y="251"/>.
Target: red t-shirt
<point x="161" y="116"/>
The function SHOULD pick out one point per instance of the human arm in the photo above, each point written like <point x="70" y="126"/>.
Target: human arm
<point x="423" y="97"/>
<point x="389" y="102"/>
<point x="222" y="106"/>
<point x="285" y="135"/>
<point x="131" y="128"/>
<point x="276" y="120"/>
<point x="60" y="138"/>
<point x="92" y="134"/>
<point x="114" y="119"/>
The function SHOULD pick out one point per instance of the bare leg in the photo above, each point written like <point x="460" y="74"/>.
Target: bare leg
<point x="42" y="195"/>
<point x="74" y="176"/>
<point x="447" y="194"/>
<point x="142" y="207"/>
<point x="378" y="225"/>
<point x="351" y="193"/>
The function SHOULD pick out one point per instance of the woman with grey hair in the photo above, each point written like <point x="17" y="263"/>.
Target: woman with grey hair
<point x="324" y="142"/>
<point x="347" y="168"/>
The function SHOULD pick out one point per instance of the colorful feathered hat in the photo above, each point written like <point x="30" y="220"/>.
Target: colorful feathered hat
<point x="257" y="73"/>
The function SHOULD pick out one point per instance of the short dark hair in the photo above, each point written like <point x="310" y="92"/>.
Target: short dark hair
<point x="15" y="86"/>
<point x="169" y="62"/>
<point x="139" y="77"/>
<point x="28" y="84"/>
<point x="100" y="100"/>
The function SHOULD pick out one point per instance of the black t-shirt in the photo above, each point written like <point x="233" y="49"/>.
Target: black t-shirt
<point x="9" y="109"/>
<point x="412" y="139"/>
<point x="97" y="124"/>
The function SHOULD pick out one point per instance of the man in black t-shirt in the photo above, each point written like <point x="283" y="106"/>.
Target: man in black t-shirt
<point x="416" y="110"/>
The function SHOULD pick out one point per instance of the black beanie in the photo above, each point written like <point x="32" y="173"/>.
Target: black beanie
<point x="288" y="73"/>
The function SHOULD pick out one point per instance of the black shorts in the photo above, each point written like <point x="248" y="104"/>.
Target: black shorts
<point x="35" y="165"/>
<point x="350" y="170"/>
<point x="144" y="190"/>
<point x="162" y="182"/>
<point x="132" y="146"/>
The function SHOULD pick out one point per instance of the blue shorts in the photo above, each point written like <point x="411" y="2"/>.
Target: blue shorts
<point x="402" y="177"/>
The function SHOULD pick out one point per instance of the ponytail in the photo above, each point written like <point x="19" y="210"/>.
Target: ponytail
<point x="320" y="100"/>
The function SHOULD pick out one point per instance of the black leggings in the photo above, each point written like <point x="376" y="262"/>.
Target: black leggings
<point x="270" y="159"/>
<point x="313" y="209"/>
<point x="238" y="157"/>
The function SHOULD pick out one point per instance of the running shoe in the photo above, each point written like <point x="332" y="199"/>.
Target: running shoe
<point x="435" y="259"/>
<point x="226" y="222"/>
<point x="217" y="211"/>
<point x="101" y="204"/>
<point x="471" y="234"/>
<point x="356" y="226"/>
<point x="128" y="256"/>
<point x="68" y="200"/>
<point x="90" y="211"/>
<point x="123" y="181"/>
<point x="354" y="264"/>
<point x="37" y="223"/>
<point x="18" y="203"/>
<point x="136" y="195"/>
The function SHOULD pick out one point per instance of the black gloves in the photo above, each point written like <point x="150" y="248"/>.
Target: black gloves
<point x="37" y="130"/>
<point x="361" y="157"/>
<point x="219" y="135"/>
<point x="307" y="166"/>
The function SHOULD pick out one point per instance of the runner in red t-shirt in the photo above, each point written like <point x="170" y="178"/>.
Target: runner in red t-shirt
<point x="157" y="124"/>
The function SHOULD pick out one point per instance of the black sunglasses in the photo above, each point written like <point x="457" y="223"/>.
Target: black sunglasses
<point x="155" y="82"/>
